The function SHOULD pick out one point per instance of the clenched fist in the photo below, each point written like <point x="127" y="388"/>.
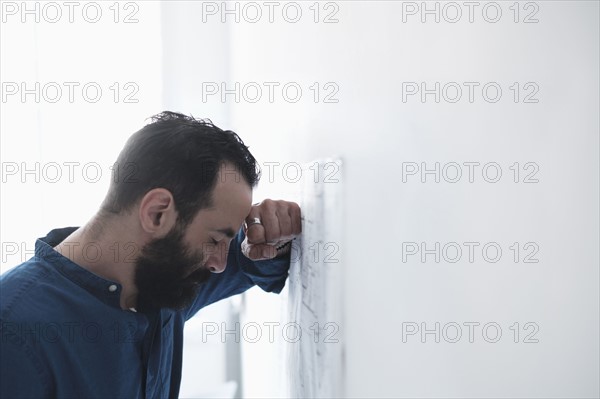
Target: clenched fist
<point x="269" y="225"/>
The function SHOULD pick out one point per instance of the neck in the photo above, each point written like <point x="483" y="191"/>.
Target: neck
<point x="108" y="249"/>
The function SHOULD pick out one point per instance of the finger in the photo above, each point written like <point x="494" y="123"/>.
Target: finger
<point x="285" y="223"/>
<point x="256" y="234"/>
<point x="270" y="221"/>
<point x="260" y="251"/>
<point x="295" y="218"/>
<point x="255" y="231"/>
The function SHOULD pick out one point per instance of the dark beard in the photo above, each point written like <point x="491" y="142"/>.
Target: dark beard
<point x="161" y="269"/>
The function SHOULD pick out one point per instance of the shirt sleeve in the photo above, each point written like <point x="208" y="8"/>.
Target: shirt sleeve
<point x="23" y="375"/>
<point x="241" y="274"/>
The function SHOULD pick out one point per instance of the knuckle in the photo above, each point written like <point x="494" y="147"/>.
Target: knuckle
<point x="295" y="211"/>
<point x="268" y="203"/>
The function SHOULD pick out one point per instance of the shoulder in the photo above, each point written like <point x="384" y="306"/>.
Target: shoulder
<point x="23" y="303"/>
<point x="25" y="287"/>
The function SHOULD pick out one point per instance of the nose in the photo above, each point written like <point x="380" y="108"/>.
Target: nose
<point x="217" y="261"/>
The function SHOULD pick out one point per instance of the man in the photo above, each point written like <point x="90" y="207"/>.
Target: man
<point x="99" y="310"/>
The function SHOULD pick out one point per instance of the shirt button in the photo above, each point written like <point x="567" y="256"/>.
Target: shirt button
<point x="112" y="288"/>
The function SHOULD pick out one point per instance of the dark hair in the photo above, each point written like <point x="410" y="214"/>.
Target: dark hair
<point x="181" y="154"/>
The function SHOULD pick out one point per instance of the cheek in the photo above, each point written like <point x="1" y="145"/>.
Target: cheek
<point x="197" y="251"/>
<point x="197" y="243"/>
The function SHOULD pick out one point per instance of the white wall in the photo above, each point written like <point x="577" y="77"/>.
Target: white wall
<point x="368" y="54"/>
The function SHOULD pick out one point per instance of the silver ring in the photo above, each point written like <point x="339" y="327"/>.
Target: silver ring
<point x="254" y="221"/>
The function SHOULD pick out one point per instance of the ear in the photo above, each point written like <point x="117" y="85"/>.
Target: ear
<point x="157" y="212"/>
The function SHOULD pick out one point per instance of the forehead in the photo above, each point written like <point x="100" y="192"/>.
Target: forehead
<point x="232" y="194"/>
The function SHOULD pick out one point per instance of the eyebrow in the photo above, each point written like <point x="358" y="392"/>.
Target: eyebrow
<point x="227" y="231"/>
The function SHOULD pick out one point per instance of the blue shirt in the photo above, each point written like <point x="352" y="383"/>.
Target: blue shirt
<point x="64" y="333"/>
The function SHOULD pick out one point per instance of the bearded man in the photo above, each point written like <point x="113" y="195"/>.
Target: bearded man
<point x="99" y="310"/>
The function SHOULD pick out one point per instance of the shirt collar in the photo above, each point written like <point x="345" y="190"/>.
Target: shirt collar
<point x="105" y="290"/>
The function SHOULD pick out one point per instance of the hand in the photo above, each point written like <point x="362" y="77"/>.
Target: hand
<point x="280" y="222"/>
